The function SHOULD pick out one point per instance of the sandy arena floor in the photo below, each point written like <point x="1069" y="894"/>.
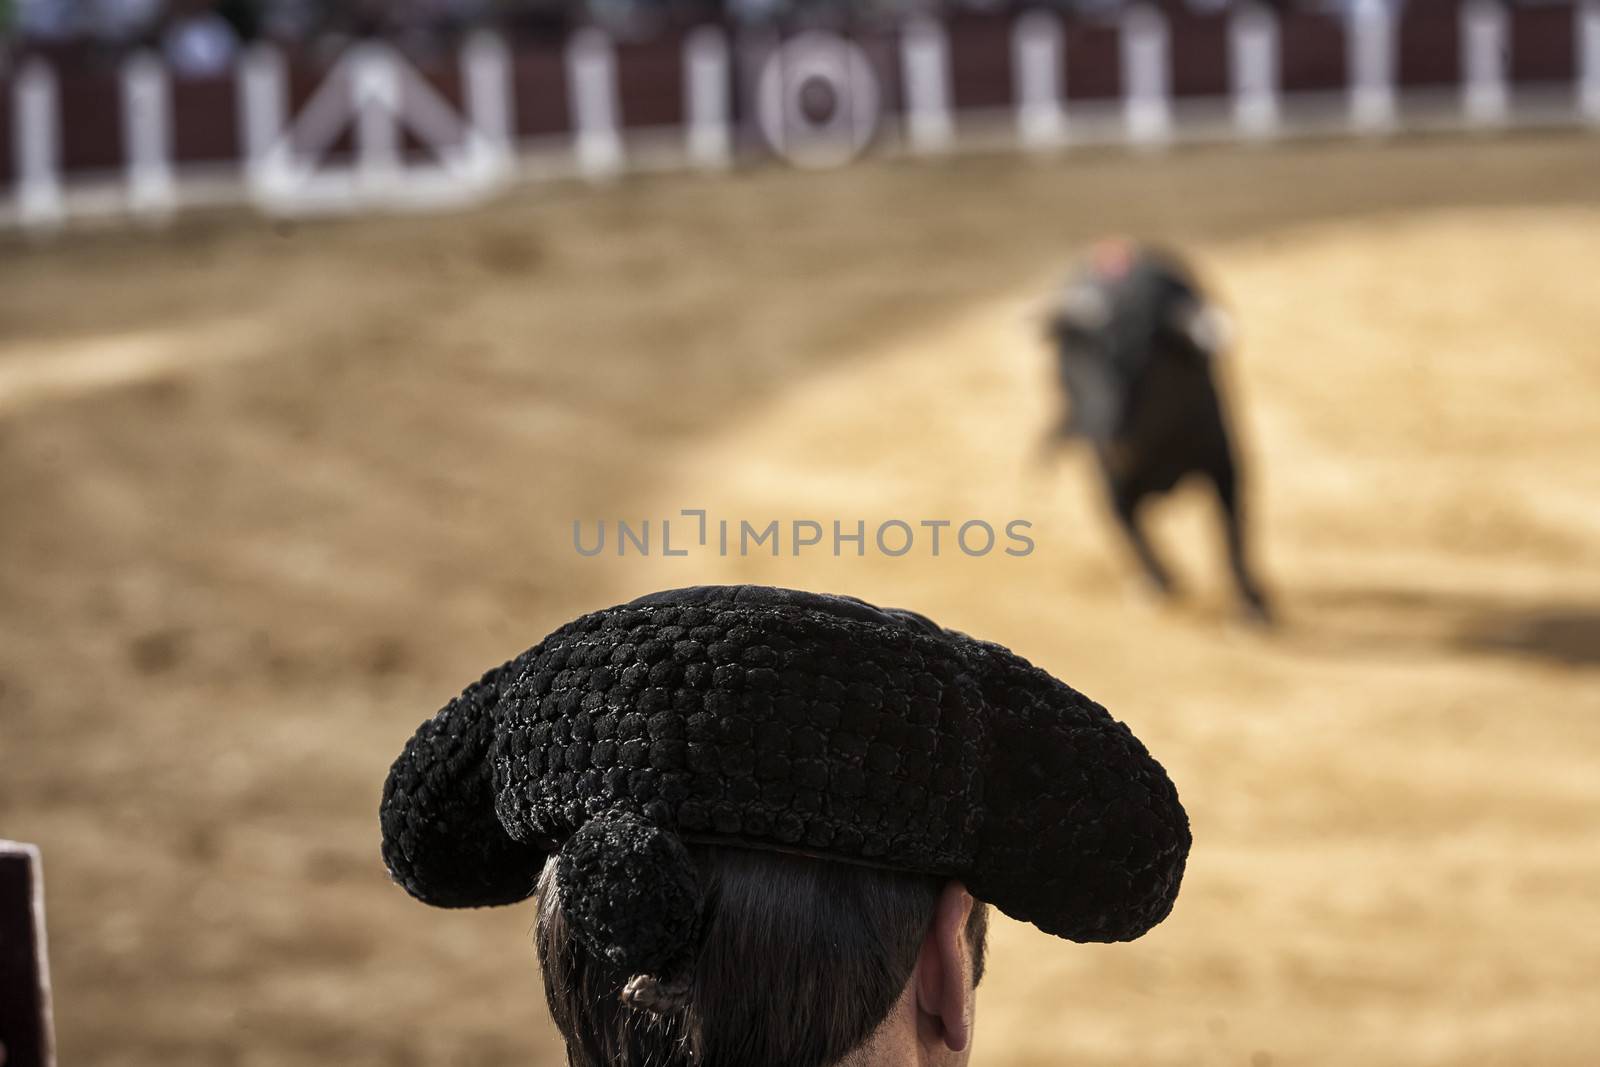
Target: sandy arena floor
<point x="270" y="495"/>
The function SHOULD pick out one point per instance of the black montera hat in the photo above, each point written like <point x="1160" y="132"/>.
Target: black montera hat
<point x="773" y="719"/>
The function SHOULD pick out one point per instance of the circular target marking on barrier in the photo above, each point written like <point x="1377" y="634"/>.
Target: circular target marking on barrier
<point x="818" y="100"/>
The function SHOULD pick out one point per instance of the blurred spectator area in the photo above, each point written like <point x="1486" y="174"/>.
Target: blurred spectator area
<point x="201" y="38"/>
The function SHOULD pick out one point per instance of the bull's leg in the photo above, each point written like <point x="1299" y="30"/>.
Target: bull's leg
<point x="1226" y="482"/>
<point x="1125" y="500"/>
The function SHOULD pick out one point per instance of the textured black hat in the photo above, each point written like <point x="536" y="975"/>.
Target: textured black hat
<point x="770" y="718"/>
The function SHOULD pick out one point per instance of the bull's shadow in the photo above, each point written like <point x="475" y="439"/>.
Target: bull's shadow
<point x="1400" y="619"/>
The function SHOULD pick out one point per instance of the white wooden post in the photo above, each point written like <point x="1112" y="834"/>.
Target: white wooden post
<point x="1253" y="68"/>
<point x="1036" y="60"/>
<point x="1485" y="97"/>
<point x="261" y="90"/>
<point x="1588" y="44"/>
<point x="147" y="135"/>
<point x="486" y="66"/>
<point x="706" y="88"/>
<point x="592" y="84"/>
<point x="36" y="129"/>
<point x="925" y="56"/>
<point x="375" y="100"/>
<point x="1146" y="85"/>
<point x="1371" y="36"/>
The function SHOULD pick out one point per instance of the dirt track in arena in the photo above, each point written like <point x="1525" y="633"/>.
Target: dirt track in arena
<point x="269" y="496"/>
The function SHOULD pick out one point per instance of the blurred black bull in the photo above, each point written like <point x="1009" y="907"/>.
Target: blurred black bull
<point x="1135" y="339"/>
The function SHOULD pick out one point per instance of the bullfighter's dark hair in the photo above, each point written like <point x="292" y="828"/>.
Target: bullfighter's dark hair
<point x="769" y="719"/>
<point x="836" y="944"/>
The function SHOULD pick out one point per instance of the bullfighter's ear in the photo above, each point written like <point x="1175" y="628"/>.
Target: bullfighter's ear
<point x="442" y="840"/>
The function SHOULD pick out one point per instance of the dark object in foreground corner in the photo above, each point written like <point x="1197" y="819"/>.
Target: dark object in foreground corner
<point x="1135" y="339"/>
<point x="26" y="1039"/>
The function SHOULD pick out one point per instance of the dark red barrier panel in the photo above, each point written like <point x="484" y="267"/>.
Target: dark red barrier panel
<point x="980" y="63"/>
<point x="1094" y="61"/>
<point x="882" y="50"/>
<point x="1199" y="54"/>
<point x="650" y="83"/>
<point x="205" y="120"/>
<point x="1312" y="52"/>
<point x="306" y="79"/>
<point x="539" y="91"/>
<point x="91" y="122"/>
<point x="443" y="75"/>
<point x="1544" y="43"/>
<point x="1429" y="52"/>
